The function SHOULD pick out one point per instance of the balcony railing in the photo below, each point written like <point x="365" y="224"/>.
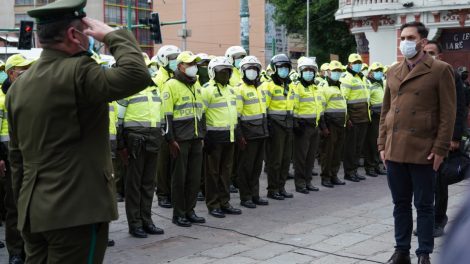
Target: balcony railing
<point x="366" y="2"/>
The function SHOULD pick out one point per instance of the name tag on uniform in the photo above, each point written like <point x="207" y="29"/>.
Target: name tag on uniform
<point x="277" y="91"/>
<point x="216" y="95"/>
<point x="250" y="94"/>
<point x="185" y="98"/>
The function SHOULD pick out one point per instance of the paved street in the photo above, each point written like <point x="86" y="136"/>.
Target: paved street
<point x="345" y="225"/>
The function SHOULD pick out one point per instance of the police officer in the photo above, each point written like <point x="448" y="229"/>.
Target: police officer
<point x="184" y="112"/>
<point x="253" y="132"/>
<point x="356" y="93"/>
<point x="333" y="127"/>
<point x="376" y="91"/>
<point x="235" y="54"/>
<point x="66" y="144"/>
<point x="219" y="143"/>
<point x="166" y="59"/>
<point x="202" y="71"/>
<point x="308" y="108"/>
<point x="280" y="105"/>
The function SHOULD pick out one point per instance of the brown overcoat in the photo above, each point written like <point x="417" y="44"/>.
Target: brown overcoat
<point x="418" y="111"/>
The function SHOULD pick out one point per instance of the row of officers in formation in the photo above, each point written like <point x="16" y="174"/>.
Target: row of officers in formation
<point x="204" y="126"/>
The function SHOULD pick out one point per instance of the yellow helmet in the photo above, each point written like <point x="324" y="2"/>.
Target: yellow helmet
<point x="376" y="65"/>
<point x="335" y="65"/>
<point x="354" y="57"/>
<point x="365" y="66"/>
<point x="324" y="66"/>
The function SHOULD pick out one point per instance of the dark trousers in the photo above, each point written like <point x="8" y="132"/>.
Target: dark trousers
<point x="120" y="175"/>
<point x="218" y="172"/>
<point x="372" y="161"/>
<point x="305" y="149"/>
<point x="332" y="152"/>
<point x="405" y="181"/>
<point x="354" y="142"/>
<point x="80" y="244"/>
<point x="279" y="154"/>
<point x="249" y="169"/>
<point x="140" y="184"/>
<point x="441" y="198"/>
<point x="163" y="177"/>
<point x="13" y="239"/>
<point x="186" y="177"/>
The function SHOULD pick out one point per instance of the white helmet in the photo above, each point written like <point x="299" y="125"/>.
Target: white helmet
<point x="164" y="52"/>
<point x="250" y="61"/>
<point x="234" y="50"/>
<point x="305" y="62"/>
<point x="218" y="62"/>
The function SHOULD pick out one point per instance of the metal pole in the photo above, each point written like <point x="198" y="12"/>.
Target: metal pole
<point x="245" y="25"/>
<point x="308" y="28"/>
<point x="129" y="15"/>
<point x="183" y="36"/>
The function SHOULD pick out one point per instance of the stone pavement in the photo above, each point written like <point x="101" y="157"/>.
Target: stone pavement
<point x="345" y="225"/>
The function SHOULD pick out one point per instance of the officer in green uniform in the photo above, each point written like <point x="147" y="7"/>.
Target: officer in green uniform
<point x="59" y="135"/>
<point x="184" y="113"/>
<point x="253" y="131"/>
<point x="15" y="66"/>
<point x="141" y="116"/>
<point x="333" y="127"/>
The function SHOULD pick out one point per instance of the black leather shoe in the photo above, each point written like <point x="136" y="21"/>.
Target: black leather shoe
<point x="200" y="197"/>
<point x="380" y="171"/>
<point x="193" y="218"/>
<point x="111" y="243"/>
<point x="164" y="202"/>
<point x="337" y="181"/>
<point x="424" y="259"/>
<point x="233" y="189"/>
<point x="301" y="190"/>
<point x="371" y="174"/>
<point x="138" y="232"/>
<point x="119" y="198"/>
<point x="314" y="173"/>
<point x="312" y="188"/>
<point x="275" y="196"/>
<point x="153" y="230"/>
<point x="399" y="258"/>
<point x="181" y="221"/>
<point x="231" y="210"/>
<point x="260" y="201"/>
<point x="351" y="178"/>
<point x="360" y="177"/>
<point x="15" y="259"/>
<point x="217" y="213"/>
<point x="327" y="183"/>
<point x="286" y="194"/>
<point x="248" y="204"/>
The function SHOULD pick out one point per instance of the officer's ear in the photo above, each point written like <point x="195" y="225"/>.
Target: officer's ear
<point x="73" y="36"/>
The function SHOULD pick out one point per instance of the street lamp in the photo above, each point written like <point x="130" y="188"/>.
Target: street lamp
<point x="308" y="28"/>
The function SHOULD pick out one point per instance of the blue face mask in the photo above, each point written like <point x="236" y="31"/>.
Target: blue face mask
<point x="283" y="72"/>
<point x="172" y="64"/>
<point x="91" y="45"/>
<point x="335" y="75"/>
<point x="308" y="75"/>
<point x="237" y="63"/>
<point x="378" y="75"/>
<point x="356" y="67"/>
<point x="3" y="76"/>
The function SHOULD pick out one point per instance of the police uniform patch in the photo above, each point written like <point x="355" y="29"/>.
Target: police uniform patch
<point x="166" y="95"/>
<point x="277" y="91"/>
<point x="185" y="98"/>
<point x="250" y="94"/>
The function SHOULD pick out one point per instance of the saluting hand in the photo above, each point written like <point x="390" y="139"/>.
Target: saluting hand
<point x="97" y="29"/>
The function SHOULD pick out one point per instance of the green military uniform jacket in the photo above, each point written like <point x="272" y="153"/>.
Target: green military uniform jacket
<point x="59" y="134"/>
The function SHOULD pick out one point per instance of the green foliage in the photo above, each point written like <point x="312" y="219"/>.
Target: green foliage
<point x="326" y="34"/>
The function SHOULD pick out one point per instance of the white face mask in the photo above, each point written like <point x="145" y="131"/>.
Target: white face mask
<point x="191" y="71"/>
<point x="408" y="48"/>
<point x="251" y="74"/>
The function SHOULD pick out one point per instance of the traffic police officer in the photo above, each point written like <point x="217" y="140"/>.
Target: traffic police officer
<point x="235" y="54"/>
<point x="280" y="105"/>
<point x="184" y="113"/>
<point x="356" y="93"/>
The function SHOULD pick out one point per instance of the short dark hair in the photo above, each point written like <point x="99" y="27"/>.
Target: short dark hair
<point x="438" y="45"/>
<point x="53" y="33"/>
<point x="422" y="30"/>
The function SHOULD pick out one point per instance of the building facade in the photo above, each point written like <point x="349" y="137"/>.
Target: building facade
<point x="376" y="26"/>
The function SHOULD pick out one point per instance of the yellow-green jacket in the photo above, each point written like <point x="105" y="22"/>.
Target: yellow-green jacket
<point x="356" y="93"/>
<point x="279" y="102"/>
<point x="252" y="111"/>
<point x="336" y="107"/>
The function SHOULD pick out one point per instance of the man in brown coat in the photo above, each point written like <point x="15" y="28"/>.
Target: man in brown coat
<point x="416" y="128"/>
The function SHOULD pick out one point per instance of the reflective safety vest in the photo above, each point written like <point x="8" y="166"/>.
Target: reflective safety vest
<point x="235" y="78"/>
<point x="4" y="136"/>
<point x="376" y="92"/>
<point x="356" y="93"/>
<point x="143" y="109"/>
<point x="220" y="108"/>
<point x="320" y="81"/>
<point x="279" y="103"/>
<point x="252" y="102"/>
<point x="184" y="104"/>
<point x="160" y="78"/>
<point x="336" y="107"/>
<point x="113" y="120"/>
<point x="308" y="103"/>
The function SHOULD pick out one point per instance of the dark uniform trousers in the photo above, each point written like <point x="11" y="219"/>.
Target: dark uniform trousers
<point x="2" y="198"/>
<point x="305" y="148"/>
<point x="119" y="169"/>
<point x="279" y="154"/>
<point x="186" y="177"/>
<point x="354" y="142"/>
<point x="218" y="172"/>
<point x="441" y="197"/>
<point x="372" y="161"/>
<point x="140" y="183"/>
<point x="332" y="152"/>
<point x="79" y="244"/>
<point x="249" y="168"/>
<point x="163" y="177"/>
